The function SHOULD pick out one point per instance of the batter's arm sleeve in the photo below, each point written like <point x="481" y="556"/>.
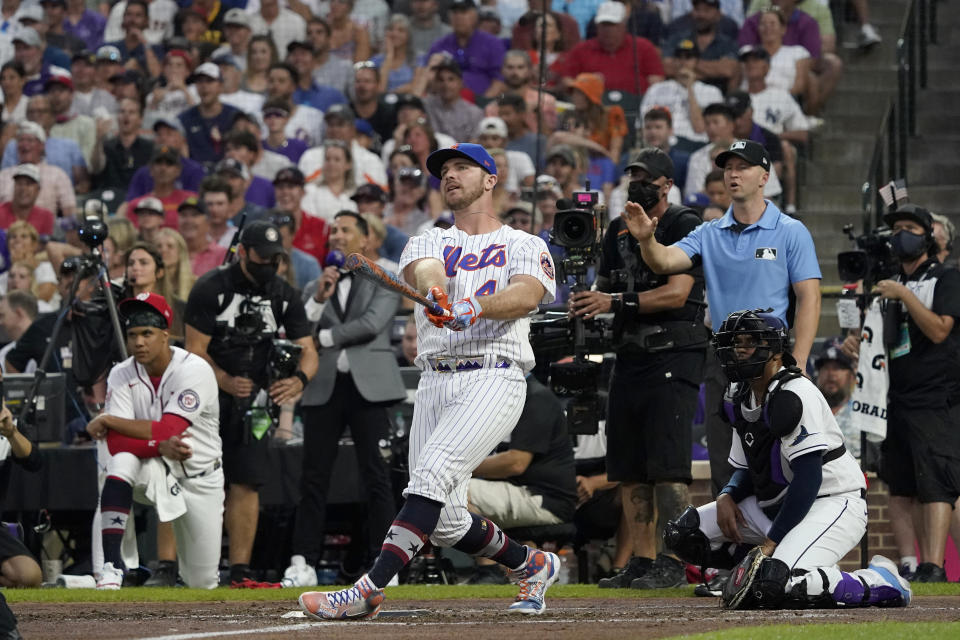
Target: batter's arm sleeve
<point x="378" y="316"/>
<point x="807" y="477"/>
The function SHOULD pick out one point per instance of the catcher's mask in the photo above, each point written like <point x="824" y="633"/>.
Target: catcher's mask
<point x="742" y="331"/>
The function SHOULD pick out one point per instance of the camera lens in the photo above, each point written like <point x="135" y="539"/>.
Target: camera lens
<point x="574" y="228"/>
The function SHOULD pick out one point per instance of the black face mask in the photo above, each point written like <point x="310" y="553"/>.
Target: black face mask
<point x="262" y="274"/>
<point x="644" y="193"/>
<point x="907" y="245"/>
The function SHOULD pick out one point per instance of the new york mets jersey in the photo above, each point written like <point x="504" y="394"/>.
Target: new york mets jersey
<point x="481" y="265"/>
<point x="188" y="388"/>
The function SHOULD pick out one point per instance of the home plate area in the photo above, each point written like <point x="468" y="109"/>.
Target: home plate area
<point x="565" y="618"/>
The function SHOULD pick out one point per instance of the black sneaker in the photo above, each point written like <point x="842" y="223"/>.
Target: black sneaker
<point x="622" y="579"/>
<point x="164" y="576"/>
<point x="929" y="572"/>
<point x="714" y="588"/>
<point x="488" y="574"/>
<point x="665" y="573"/>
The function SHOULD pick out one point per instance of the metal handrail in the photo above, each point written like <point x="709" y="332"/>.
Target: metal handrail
<point x="918" y="29"/>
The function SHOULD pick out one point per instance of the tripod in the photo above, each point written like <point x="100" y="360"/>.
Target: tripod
<point x="86" y="267"/>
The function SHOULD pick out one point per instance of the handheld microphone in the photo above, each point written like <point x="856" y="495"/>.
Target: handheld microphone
<point x="335" y="259"/>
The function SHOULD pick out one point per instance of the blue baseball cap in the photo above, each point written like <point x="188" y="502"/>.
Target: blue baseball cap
<point x="467" y="150"/>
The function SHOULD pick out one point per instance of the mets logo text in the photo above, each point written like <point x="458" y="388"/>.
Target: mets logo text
<point x="546" y="264"/>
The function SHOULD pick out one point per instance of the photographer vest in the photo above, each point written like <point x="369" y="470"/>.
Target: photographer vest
<point x="654" y="332"/>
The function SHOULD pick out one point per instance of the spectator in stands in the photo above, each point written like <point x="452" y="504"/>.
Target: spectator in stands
<point x="169" y="133"/>
<point x="261" y="53"/>
<point x="88" y="99"/>
<point x="527" y="29"/>
<point x="56" y="192"/>
<point x="341" y="125"/>
<point x="238" y="29"/>
<point x="426" y="27"/>
<point x="301" y="267"/>
<point x="29" y="50"/>
<point x="684" y="95"/>
<point x="276" y="114"/>
<point x="715" y="37"/>
<point x="332" y="191"/>
<point x="398" y="63"/>
<point x="122" y="236"/>
<point x="174" y="96"/>
<point x="520" y="215"/>
<point x="349" y="40"/>
<point x="68" y="124"/>
<point x="18" y="310"/>
<point x="53" y="27"/>
<point x="449" y="113"/>
<point x="519" y="78"/>
<point x="513" y="112"/>
<point x="124" y="153"/>
<point x="643" y="20"/>
<point x="243" y="144"/>
<point x="107" y="65"/>
<point x="563" y="166"/>
<point x="803" y="30"/>
<point x="217" y="196"/>
<point x="405" y="211"/>
<point x="178" y="274"/>
<point x="628" y="63"/>
<point x="329" y="70"/>
<point x="243" y="147"/>
<point x="194" y="226"/>
<point x="478" y="55"/>
<point x="23" y="243"/>
<point x="149" y="215"/>
<point x="605" y="126"/>
<point x="356" y="379"/>
<point x="788" y="66"/>
<point x="369" y="102"/>
<point x="127" y="84"/>
<point x="207" y="122"/>
<point x="302" y="57"/>
<point x="12" y="79"/>
<point x="944" y="233"/>
<point x="230" y="91"/>
<point x="306" y="122"/>
<point x="836" y="378"/>
<point x="146" y="273"/>
<point x="62" y="152"/>
<point x="719" y="121"/>
<point x="488" y="21"/>
<point x="529" y="480"/>
<point x="492" y="134"/>
<point x="165" y="169"/>
<point x="310" y="232"/>
<point x="408" y="343"/>
<point x="410" y="109"/>
<point x="689" y="17"/>
<point x="23" y="206"/>
<point x="135" y="45"/>
<point x="84" y="23"/>
<point x="716" y="191"/>
<point x="284" y="25"/>
<point x="556" y="46"/>
<point x="241" y="181"/>
<point x="372" y="200"/>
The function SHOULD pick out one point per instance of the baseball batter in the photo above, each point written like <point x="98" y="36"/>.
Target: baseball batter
<point x="796" y="495"/>
<point x="156" y="399"/>
<point x="472" y="390"/>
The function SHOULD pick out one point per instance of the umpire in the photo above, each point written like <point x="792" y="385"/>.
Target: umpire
<point x="661" y="341"/>
<point x="232" y="317"/>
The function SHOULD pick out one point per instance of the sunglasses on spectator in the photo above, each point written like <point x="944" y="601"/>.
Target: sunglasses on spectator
<point x="410" y="173"/>
<point x="275" y="113"/>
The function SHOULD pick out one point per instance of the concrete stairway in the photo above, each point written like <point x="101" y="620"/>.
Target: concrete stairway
<point x="841" y="151"/>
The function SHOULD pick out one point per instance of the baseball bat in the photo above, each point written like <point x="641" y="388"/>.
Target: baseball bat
<point x="366" y="268"/>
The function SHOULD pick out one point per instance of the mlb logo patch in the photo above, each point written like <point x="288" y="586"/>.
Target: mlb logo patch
<point x="766" y="253"/>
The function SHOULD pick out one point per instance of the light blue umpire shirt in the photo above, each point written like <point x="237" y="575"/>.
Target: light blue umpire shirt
<point x="752" y="268"/>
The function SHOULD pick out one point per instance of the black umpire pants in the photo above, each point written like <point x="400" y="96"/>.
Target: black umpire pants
<point x="322" y="427"/>
<point x="719" y="433"/>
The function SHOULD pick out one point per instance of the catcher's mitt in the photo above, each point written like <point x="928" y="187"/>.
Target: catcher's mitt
<point x="758" y="582"/>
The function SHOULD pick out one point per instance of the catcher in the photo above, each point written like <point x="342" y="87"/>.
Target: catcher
<point x="795" y="504"/>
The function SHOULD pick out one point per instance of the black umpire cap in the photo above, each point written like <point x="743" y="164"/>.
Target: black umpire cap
<point x="752" y="152"/>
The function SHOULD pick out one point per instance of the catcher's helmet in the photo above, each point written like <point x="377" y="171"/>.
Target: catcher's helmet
<point x="769" y="338"/>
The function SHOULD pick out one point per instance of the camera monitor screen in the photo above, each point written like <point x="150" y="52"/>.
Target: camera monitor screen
<point x="48" y="422"/>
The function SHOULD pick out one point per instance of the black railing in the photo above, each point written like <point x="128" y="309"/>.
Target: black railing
<point x="891" y="148"/>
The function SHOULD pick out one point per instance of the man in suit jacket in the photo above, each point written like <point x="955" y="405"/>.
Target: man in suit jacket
<point x="357" y="379"/>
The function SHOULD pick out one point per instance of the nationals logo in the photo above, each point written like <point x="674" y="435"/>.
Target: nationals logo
<point x="188" y="400"/>
<point x="546" y="264"/>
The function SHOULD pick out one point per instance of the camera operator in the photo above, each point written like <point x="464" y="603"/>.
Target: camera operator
<point x="232" y="317"/>
<point x="921" y="453"/>
<point x="661" y="341"/>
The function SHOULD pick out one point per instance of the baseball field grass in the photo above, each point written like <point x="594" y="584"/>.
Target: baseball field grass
<point x="862" y="631"/>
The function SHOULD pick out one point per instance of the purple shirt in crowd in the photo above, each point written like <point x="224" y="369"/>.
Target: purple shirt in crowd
<point x="480" y="60"/>
<point x="190" y="178"/>
<point x="291" y="149"/>
<point x="260" y="192"/>
<point x="801" y="29"/>
<point x="89" y="29"/>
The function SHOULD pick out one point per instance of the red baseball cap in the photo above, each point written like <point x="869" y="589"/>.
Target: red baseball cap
<point x="147" y="302"/>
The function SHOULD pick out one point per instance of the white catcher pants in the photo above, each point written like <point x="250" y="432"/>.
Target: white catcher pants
<point x="458" y="420"/>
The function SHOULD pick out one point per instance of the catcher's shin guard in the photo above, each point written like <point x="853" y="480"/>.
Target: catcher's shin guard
<point x="758" y="582"/>
<point x="684" y="538"/>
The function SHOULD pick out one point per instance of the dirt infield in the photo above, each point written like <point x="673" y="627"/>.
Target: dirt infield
<point x="565" y="619"/>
